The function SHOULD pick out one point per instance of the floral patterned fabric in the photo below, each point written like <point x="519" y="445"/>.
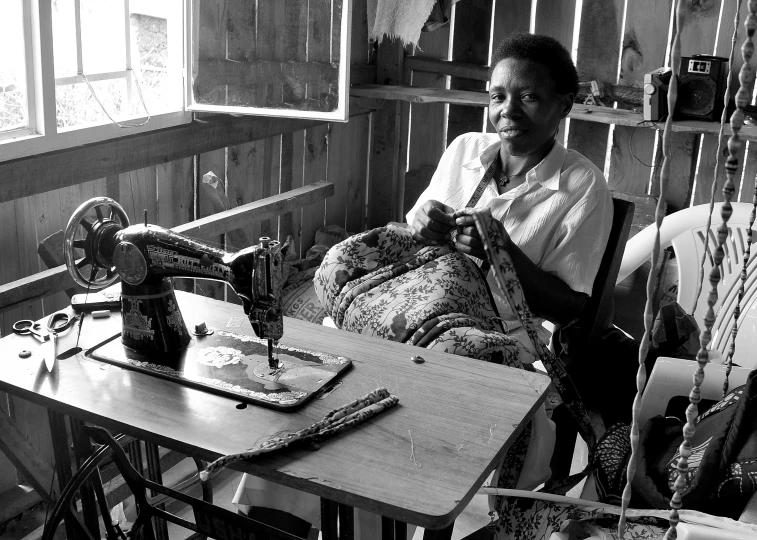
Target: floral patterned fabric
<point x="384" y="284"/>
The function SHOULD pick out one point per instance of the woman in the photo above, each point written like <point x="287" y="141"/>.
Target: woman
<point x="553" y="202"/>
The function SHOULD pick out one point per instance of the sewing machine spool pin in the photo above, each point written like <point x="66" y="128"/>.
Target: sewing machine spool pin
<point x="148" y="257"/>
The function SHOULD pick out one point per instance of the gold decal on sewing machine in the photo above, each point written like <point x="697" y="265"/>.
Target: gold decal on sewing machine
<point x="135" y="324"/>
<point x="174" y="319"/>
<point x="169" y="259"/>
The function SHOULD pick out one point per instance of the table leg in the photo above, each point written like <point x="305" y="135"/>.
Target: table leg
<point x="62" y="459"/>
<point x="156" y="475"/>
<point x="82" y="450"/>
<point x="329" y="513"/>
<point x="346" y="522"/>
<point x="393" y="529"/>
<point x="440" y="534"/>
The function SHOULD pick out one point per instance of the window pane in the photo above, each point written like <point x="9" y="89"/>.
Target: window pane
<point x="13" y="103"/>
<point x="103" y="36"/>
<point x="64" y="37"/>
<point x="103" y="39"/>
<point x="76" y="105"/>
<point x="157" y="42"/>
<point x="156" y="60"/>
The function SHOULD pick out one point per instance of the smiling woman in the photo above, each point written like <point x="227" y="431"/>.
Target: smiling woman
<point x="554" y="203"/>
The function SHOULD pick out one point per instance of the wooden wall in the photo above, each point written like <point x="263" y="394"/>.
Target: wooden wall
<point x="617" y="42"/>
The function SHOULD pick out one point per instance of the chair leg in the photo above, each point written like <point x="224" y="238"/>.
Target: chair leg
<point x="566" y="432"/>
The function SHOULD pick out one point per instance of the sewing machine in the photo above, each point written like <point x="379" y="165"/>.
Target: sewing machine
<point x="154" y="336"/>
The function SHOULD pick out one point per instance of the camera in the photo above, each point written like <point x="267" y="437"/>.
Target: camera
<point x="656" y="94"/>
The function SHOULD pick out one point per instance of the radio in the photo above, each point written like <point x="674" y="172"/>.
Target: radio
<point x="701" y="84"/>
<point x="656" y="94"/>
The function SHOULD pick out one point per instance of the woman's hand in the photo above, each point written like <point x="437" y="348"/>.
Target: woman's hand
<point x="433" y="223"/>
<point x="468" y="240"/>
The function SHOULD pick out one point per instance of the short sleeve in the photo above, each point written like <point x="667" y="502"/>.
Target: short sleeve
<point x="582" y="242"/>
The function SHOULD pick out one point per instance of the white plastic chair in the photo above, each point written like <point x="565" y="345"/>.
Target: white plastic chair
<point x="684" y="230"/>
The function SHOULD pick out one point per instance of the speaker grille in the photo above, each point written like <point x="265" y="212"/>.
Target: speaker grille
<point x="696" y="95"/>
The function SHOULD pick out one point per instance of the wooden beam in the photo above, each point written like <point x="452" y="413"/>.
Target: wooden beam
<point x="58" y="279"/>
<point x="31" y="175"/>
<point x="591" y="113"/>
<point x="267" y="208"/>
<point x="17" y="500"/>
<point x="23" y="455"/>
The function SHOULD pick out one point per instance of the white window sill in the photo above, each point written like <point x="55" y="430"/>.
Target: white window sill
<point x="18" y="144"/>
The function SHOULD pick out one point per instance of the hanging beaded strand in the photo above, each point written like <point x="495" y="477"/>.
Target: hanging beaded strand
<point x="746" y="80"/>
<point x="641" y="374"/>
<point x="743" y="97"/>
<point x="716" y="171"/>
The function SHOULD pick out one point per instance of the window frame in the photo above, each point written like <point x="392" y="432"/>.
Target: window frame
<point x="340" y="114"/>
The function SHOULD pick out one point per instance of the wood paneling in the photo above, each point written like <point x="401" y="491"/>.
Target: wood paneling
<point x="427" y="137"/>
<point x="644" y="45"/>
<point x="470" y="44"/>
<point x="596" y="59"/>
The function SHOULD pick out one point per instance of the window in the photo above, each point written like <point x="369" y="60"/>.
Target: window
<point x="90" y="70"/>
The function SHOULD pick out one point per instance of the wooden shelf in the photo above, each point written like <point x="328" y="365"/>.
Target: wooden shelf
<point x="590" y="113"/>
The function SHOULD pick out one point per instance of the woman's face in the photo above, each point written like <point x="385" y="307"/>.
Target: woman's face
<point x="524" y="106"/>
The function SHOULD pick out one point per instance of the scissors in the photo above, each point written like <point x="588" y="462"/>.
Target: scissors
<point x="27" y="327"/>
<point x="56" y="323"/>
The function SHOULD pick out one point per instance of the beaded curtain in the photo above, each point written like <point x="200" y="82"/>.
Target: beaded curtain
<point x="742" y="99"/>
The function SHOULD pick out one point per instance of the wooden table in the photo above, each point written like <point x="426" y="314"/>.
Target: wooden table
<point x="418" y="463"/>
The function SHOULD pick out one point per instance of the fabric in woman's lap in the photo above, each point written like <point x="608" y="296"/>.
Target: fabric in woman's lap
<point x="382" y="283"/>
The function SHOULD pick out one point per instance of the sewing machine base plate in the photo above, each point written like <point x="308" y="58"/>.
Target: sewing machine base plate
<point x="236" y="366"/>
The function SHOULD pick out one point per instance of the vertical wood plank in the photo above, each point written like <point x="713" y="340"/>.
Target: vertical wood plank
<point x="215" y="162"/>
<point x="212" y="41"/>
<point x="175" y="188"/>
<point x="245" y="175"/>
<point x="270" y="184"/>
<point x="707" y="172"/>
<point x="348" y="152"/>
<point x="8" y="476"/>
<point x="319" y="48"/>
<point x="470" y="44"/>
<point x="427" y="137"/>
<point x="698" y="35"/>
<point x="316" y="160"/>
<point x="242" y="46"/>
<point x="510" y="16"/>
<point x="386" y="161"/>
<point x="297" y="180"/>
<point x="596" y="59"/>
<point x="555" y="18"/>
<point x="644" y="45"/>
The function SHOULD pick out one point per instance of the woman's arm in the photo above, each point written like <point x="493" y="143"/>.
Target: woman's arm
<point x="547" y="295"/>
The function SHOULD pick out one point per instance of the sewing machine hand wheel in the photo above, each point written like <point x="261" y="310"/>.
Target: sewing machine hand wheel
<point x="91" y="224"/>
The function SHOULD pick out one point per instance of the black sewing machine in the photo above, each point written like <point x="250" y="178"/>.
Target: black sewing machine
<point x="154" y="336"/>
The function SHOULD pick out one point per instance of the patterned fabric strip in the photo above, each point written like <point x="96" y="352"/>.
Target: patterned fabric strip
<point x="492" y="233"/>
<point x="337" y="420"/>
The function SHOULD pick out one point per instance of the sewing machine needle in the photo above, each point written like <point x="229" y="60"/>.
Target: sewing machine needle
<point x="272" y="363"/>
